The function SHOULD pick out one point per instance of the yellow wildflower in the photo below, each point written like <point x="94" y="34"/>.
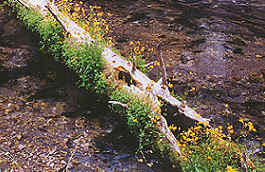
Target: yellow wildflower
<point x="156" y="63"/>
<point x="100" y="14"/>
<point x="74" y="14"/>
<point x="231" y="131"/>
<point x="77" y="9"/>
<point x="97" y="7"/>
<point x="153" y="120"/>
<point x="230" y="169"/>
<point x="241" y="120"/>
<point x="172" y="127"/>
<point x="192" y="89"/>
<point x="198" y="115"/>
<point x="197" y="127"/>
<point x="170" y="85"/>
<point x="151" y="67"/>
<point x="251" y="127"/>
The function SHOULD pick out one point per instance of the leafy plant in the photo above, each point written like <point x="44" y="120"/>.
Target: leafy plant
<point x="86" y="60"/>
<point x="139" y="117"/>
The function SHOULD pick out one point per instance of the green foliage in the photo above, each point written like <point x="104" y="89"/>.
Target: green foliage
<point x="86" y="61"/>
<point x="209" y="155"/>
<point x="141" y="63"/>
<point x="139" y="115"/>
<point x="50" y="32"/>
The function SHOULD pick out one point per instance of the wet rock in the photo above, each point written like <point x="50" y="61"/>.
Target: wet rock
<point x="256" y="77"/>
<point x="234" y="92"/>
<point x="10" y="28"/>
<point x="185" y="59"/>
<point x="196" y="42"/>
<point x="238" y="51"/>
<point x="204" y="107"/>
<point x="237" y="41"/>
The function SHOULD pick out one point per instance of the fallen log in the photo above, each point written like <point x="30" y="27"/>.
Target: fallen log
<point x="144" y="87"/>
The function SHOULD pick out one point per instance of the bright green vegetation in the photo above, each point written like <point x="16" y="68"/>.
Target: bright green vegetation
<point x="139" y="117"/>
<point x="86" y="60"/>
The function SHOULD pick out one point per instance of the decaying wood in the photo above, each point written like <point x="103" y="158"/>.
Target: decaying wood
<point x="164" y="71"/>
<point x="134" y="64"/>
<point x="144" y="85"/>
<point x="56" y="18"/>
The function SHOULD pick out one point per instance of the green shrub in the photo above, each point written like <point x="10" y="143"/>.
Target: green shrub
<point x="86" y="60"/>
<point x="139" y="117"/>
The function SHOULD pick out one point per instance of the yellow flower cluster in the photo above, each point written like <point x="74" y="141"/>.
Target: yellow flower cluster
<point x="155" y="118"/>
<point x="136" y="49"/>
<point x="172" y="127"/>
<point x="92" y="20"/>
<point x="230" y="169"/>
<point x="156" y="63"/>
<point x="230" y="129"/>
<point x="247" y="124"/>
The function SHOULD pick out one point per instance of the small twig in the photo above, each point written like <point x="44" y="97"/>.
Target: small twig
<point x="56" y="18"/>
<point x="134" y="64"/>
<point x="118" y="103"/>
<point x="148" y="64"/>
<point x="160" y="81"/>
<point x="164" y="71"/>
<point x="23" y="3"/>
<point x="69" y="160"/>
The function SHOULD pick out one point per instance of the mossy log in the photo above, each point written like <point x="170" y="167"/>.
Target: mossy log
<point x="144" y="87"/>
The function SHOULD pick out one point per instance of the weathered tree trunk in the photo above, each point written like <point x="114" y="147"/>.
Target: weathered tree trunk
<point x="144" y="85"/>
